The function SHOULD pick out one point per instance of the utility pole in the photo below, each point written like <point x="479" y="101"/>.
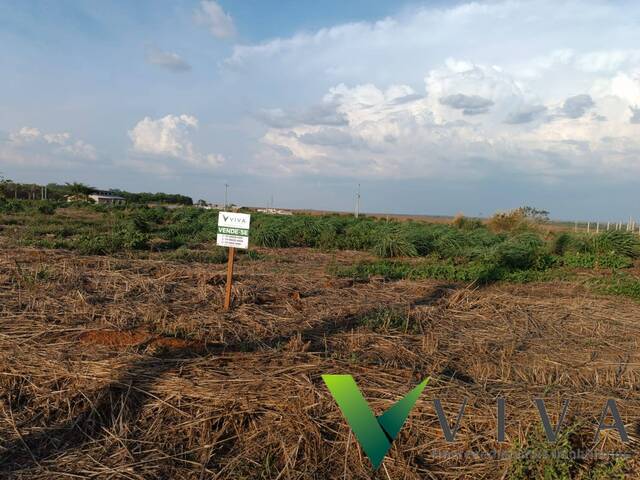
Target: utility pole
<point x="226" y="194"/>
<point x="358" y="201"/>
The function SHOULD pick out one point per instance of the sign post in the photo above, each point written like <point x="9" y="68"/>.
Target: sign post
<point x="233" y="232"/>
<point x="227" y="293"/>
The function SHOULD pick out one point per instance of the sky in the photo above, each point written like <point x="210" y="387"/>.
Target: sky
<point x="432" y="107"/>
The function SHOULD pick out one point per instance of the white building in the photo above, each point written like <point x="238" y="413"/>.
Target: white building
<point x="107" y="198"/>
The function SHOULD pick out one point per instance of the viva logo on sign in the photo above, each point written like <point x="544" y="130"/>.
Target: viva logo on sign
<point x="375" y="434"/>
<point x="235" y="219"/>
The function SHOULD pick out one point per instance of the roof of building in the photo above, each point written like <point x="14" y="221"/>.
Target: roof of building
<point x="102" y="195"/>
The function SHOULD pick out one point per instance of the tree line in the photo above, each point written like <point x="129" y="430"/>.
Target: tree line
<point x="59" y="192"/>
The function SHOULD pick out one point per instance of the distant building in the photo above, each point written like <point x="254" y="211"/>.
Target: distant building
<point x="274" y="211"/>
<point x="77" y="198"/>
<point x="218" y="206"/>
<point x="107" y="198"/>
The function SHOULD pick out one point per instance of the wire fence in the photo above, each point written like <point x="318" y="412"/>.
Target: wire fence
<point x="597" y="227"/>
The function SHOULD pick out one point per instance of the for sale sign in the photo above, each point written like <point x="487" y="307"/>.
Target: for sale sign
<point x="233" y="230"/>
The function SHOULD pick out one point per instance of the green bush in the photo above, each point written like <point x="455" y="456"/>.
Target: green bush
<point x="592" y="260"/>
<point x="561" y="243"/>
<point x="361" y="235"/>
<point x="45" y="207"/>
<point x="394" y="244"/>
<point x="11" y="206"/>
<point x="432" y="268"/>
<point x="621" y="284"/>
<point x="466" y="223"/>
<point x="619" y="242"/>
<point x="522" y="251"/>
<point x="328" y="238"/>
<point x="271" y="236"/>
<point x="466" y="252"/>
<point x="544" y="460"/>
<point x="97" y="244"/>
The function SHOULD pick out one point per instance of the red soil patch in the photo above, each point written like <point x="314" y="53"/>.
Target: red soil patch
<point x="127" y="338"/>
<point x="115" y="338"/>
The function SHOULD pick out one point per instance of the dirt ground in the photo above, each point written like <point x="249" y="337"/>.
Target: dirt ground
<point x="126" y="368"/>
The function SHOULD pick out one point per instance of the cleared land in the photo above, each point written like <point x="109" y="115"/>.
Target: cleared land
<point x="124" y="366"/>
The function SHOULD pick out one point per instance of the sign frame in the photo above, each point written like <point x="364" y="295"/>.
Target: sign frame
<point x="233" y="232"/>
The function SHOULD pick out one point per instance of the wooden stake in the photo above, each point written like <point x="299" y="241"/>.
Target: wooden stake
<point x="227" y="295"/>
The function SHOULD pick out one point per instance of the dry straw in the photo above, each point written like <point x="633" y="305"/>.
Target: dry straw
<point x="127" y="369"/>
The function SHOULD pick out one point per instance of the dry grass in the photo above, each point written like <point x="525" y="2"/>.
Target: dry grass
<point x="119" y="368"/>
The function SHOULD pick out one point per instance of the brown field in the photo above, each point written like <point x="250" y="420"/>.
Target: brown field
<point x="122" y="368"/>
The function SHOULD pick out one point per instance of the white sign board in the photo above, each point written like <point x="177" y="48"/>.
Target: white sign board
<point x="233" y="230"/>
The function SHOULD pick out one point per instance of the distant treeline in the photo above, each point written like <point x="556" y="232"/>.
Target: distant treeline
<point x="146" y="197"/>
<point x="58" y="192"/>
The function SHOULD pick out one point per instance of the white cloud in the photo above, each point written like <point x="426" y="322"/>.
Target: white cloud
<point x="30" y="146"/>
<point x="57" y="138"/>
<point x="532" y="89"/>
<point x="168" y="60"/>
<point x="434" y="134"/>
<point x="79" y="149"/>
<point x="170" y="137"/>
<point x="25" y="135"/>
<point x="211" y="15"/>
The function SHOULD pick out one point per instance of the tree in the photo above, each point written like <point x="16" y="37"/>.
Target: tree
<point x="77" y="188"/>
<point x="4" y="186"/>
<point x="534" y="213"/>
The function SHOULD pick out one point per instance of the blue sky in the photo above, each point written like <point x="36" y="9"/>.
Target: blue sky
<point x="434" y="107"/>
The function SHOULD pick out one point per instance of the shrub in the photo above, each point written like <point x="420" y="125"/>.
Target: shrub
<point x="132" y="239"/>
<point x="328" y="238"/>
<point x="541" y="459"/>
<point x="97" y="244"/>
<point x="11" y="206"/>
<point x="520" y="252"/>
<point x="561" y="243"/>
<point x="615" y="241"/>
<point x="592" y="260"/>
<point x="270" y="235"/>
<point x="361" y="235"/>
<point x="421" y="237"/>
<point x="621" y="284"/>
<point x="449" y="243"/>
<point x="46" y="208"/>
<point x="145" y="219"/>
<point x="394" y="244"/>
<point x="466" y="223"/>
<point x="481" y="272"/>
<point x="512" y="221"/>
